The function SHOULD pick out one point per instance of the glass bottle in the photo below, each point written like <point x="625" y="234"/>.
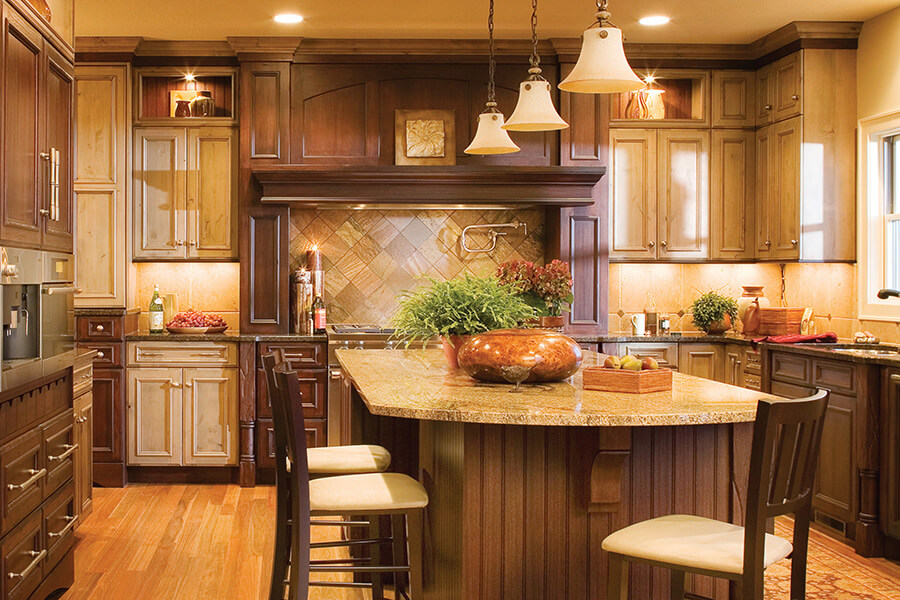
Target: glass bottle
<point x="157" y="318"/>
<point x="318" y="310"/>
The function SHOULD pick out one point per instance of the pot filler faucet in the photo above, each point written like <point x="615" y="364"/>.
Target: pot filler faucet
<point x="886" y="293"/>
<point x="492" y="233"/>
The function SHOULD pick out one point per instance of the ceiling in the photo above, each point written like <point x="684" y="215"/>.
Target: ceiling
<point x="693" y="21"/>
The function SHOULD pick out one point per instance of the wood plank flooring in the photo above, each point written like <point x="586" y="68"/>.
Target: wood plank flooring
<point x="203" y="542"/>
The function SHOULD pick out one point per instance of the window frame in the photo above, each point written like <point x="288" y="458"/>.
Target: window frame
<point x="874" y="187"/>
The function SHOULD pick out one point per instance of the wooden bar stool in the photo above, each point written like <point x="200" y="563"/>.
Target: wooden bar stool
<point x="783" y="459"/>
<point x="370" y="495"/>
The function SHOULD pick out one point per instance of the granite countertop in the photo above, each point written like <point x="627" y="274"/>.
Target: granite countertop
<point x="829" y="351"/>
<point x="228" y="336"/>
<point x="690" y="337"/>
<point x="105" y="312"/>
<point x="417" y="384"/>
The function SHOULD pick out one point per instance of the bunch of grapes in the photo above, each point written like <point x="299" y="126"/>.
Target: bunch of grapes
<point x="196" y="318"/>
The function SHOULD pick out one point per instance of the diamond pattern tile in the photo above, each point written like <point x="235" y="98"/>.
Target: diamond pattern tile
<point x="371" y="256"/>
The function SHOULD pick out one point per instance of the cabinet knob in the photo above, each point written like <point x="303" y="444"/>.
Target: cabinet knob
<point x="100" y="354"/>
<point x="192" y="243"/>
<point x="795" y="97"/>
<point x="650" y="244"/>
<point x="768" y="107"/>
<point x="663" y="244"/>
<point x="44" y="155"/>
<point x="179" y="242"/>
<point x="188" y="384"/>
<point x="100" y="328"/>
<point x="45" y="212"/>
<point x="793" y="242"/>
<point x="768" y="243"/>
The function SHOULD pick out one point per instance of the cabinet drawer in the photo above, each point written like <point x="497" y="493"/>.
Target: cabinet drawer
<point x="82" y="378"/>
<point x="22" y="558"/>
<point x="665" y="354"/>
<point x="59" y="452"/>
<point x="792" y="368"/>
<point x="265" y="453"/>
<point x="835" y="376"/>
<point x="753" y="362"/>
<point x="110" y="354"/>
<point x="59" y="525"/>
<point x="182" y="354"/>
<point x="99" y="329"/>
<point x="299" y="356"/>
<point x="789" y="390"/>
<point x="752" y="381"/>
<point x="312" y="386"/>
<point x="22" y="467"/>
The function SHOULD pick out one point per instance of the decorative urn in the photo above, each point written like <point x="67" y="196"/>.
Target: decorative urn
<point x="545" y="355"/>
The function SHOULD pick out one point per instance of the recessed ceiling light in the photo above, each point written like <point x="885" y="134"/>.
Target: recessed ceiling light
<point x="654" y="20"/>
<point x="288" y="18"/>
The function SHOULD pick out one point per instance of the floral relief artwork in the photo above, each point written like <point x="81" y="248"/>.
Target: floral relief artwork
<point x="424" y="138"/>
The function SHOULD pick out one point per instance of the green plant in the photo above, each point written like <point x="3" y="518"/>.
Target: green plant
<point x="463" y="306"/>
<point x="712" y="307"/>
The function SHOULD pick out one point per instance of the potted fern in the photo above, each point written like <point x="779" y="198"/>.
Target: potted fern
<point x="714" y="313"/>
<point x="457" y="309"/>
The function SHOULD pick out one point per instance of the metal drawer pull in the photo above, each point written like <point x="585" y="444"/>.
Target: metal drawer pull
<point x="70" y="448"/>
<point x="81" y="420"/>
<point x="217" y="354"/>
<point x="335" y="373"/>
<point x="35" y="476"/>
<point x="100" y="354"/>
<point x="38" y="557"/>
<point x="895" y="378"/>
<point x="52" y="291"/>
<point x="145" y="353"/>
<point x="70" y="523"/>
<point x="100" y="328"/>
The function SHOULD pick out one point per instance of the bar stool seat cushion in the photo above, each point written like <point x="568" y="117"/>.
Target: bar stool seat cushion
<point x="692" y="543"/>
<point x="369" y="492"/>
<point x="344" y="460"/>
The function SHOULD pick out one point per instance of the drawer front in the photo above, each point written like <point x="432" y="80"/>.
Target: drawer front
<point x="835" y="376"/>
<point x="590" y="347"/>
<point x="59" y="525"/>
<point x="753" y="362"/>
<point x="22" y="558"/>
<point x="109" y="354"/>
<point x="791" y="368"/>
<point x="59" y="452"/>
<point x="99" y="329"/>
<point x="789" y="390"/>
<point x="265" y="453"/>
<point x="312" y="386"/>
<point x="182" y="354"/>
<point x="22" y="478"/>
<point x="82" y="378"/>
<point x="752" y="381"/>
<point x="299" y="356"/>
<point x="665" y="354"/>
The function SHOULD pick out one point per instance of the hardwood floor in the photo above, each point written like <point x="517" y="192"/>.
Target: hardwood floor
<point x="160" y="542"/>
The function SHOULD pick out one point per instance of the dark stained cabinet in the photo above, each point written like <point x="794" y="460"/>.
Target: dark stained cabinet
<point x="890" y="455"/>
<point x="59" y="141"/>
<point x="265" y="111"/>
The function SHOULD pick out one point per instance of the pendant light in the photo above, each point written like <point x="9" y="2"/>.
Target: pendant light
<point x="535" y="111"/>
<point x="602" y="67"/>
<point x="490" y="137"/>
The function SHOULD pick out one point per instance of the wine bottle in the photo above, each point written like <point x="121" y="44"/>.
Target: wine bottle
<point x="318" y="310"/>
<point x="157" y="318"/>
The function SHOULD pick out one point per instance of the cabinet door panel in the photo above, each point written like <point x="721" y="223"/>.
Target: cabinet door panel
<point x="765" y="194"/>
<point x="265" y="110"/>
<point x="159" y="190"/>
<point x="84" y="463"/>
<point x="835" y="485"/>
<point x="683" y="188"/>
<point x="785" y="229"/>
<point x="734" y="365"/>
<point x="59" y="141"/>
<point x="633" y="193"/>
<point x="787" y="74"/>
<point x="23" y="170"/>
<point x="765" y="96"/>
<point x="733" y="100"/>
<point x="109" y="415"/>
<point x="154" y="416"/>
<point x="890" y="435"/>
<point x="702" y="360"/>
<point x="732" y="199"/>
<point x="211" y="202"/>
<point x="210" y="416"/>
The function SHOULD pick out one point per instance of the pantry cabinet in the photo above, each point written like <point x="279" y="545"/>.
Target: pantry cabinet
<point x="185" y="193"/>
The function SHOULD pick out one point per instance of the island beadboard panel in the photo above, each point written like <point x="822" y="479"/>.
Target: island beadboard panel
<point x="370" y="256"/>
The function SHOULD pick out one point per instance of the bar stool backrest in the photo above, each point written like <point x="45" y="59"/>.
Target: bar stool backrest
<point x="287" y="401"/>
<point x="279" y="419"/>
<point x="783" y="461"/>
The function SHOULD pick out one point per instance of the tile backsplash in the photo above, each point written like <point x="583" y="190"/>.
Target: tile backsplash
<point x="370" y="256"/>
<point x="210" y="287"/>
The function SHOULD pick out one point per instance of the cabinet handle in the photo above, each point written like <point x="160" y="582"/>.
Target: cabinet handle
<point x="44" y="155"/>
<point x="793" y="242"/>
<point x="35" y="476"/>
<point x="100" y="328"/>
<point x="650" y="244"/>
<point x="191" y="243"/>
<point x="70" y="523"/>
<point x="768" y="243"/>
<point x="188" y="384"/>
<point x="795" y="97"/>
<point x="335" y="373"/>
<point x="44" y="212"/>
<point x="81" y="420"/>
<point x="145" y="353"/>
<point x="70" y="448"/>
<point x="38" y="557"/>
<point x="179" y="242"/>
<point x="174" y="384"/>
<point x="895" y="378"/>
<point x="768" y="107"/>
<point x="100" y="354"/>
<point x="217" y="354"/>
<point x="663" y="243"/>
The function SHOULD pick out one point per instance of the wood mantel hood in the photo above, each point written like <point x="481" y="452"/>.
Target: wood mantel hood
<point x="390" y="185"/>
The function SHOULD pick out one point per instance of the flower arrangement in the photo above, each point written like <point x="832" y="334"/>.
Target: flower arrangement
<point x="545" y="288"/>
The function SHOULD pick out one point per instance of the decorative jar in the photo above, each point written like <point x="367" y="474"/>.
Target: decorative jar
<point x="547" y="355"/>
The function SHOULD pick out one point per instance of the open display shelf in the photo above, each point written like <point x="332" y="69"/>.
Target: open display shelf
<point x="154" y="87"/>
<point x="683" y="100"/>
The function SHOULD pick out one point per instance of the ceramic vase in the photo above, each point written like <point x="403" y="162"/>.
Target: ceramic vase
<point x="182" y="108"/>
<point x="751" y="293"/>
<point x="203" y="105"/>
<point x="545" y="355"/>
<point x="452" y="345"/>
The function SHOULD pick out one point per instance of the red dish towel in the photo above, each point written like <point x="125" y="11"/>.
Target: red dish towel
<point x="826" y="338"/>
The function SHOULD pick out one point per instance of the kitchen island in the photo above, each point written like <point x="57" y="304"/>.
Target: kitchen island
<point x="524" y="486"/>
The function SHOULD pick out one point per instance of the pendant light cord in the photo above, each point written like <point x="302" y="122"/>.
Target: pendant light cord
<point x="492" y="101"/>
<point x="603" y="14"/>
<point x="535" y="60"/>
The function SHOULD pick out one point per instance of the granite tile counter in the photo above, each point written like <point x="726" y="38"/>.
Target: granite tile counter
<point x="417" y="384"/>
<point x="228" y="336"/>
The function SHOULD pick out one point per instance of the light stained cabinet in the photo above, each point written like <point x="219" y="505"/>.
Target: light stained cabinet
<point x="659" y="194"/>
<point x="101" y="192"/>
<point x="184" y="193"/>
<point x="182" y="416"/>
<point x="84" y="460"/>
<point x="733" y="99"/>
<point x="778" y="181"/>
<point x="733" y="194"/>
<point x="702" y="360"/>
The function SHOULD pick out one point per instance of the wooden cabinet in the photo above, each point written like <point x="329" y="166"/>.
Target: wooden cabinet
<point x="765" y="96"/>
<point x="103" y="131"/>
<point x="36" y="200"/>
<point x="733" y="99"/>
<point x="778" y="179"/>
<point x="787" y="76"/>
<point x="184" y="193"/>
<point x="890" y="453"/>
<point x="703" y="360"/>
<point x="83" y="377"/>
<point x="734" y="365"/>
<point x="154" y="416"/>
<point x="733" y="194"/>
<point x="210" y="403"/>
<point x="665" y="354"/>
<point x="659" y="194"/>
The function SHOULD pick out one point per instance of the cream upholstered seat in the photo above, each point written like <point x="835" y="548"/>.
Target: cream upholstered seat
<point x="692" y="543"/>
<point x="344" y="460"/>
<point x="368" y="492"/>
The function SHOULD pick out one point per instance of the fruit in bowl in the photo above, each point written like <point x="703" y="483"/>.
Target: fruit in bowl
<point x="195" y="321"/>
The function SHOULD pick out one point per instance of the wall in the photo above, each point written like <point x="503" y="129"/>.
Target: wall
<point x="370" y="256"/>
<point x="210" y="287"/>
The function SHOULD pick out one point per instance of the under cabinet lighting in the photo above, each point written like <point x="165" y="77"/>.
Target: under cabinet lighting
<point x="289" y="18"/>
<point x="654" y="20"/>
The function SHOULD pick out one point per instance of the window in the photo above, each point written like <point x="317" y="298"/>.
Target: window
<point x="879" y="216"/>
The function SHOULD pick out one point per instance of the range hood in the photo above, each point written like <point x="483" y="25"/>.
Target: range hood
<point x="321" y="187"/>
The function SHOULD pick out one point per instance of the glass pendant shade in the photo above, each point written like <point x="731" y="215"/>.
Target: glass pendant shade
<point x="535" y="111"/>
<point x="602" y="67"/>
<point x="490" y="137"/>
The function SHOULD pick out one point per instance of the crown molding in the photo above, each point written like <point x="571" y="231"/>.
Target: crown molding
<point x="264" y="48"/>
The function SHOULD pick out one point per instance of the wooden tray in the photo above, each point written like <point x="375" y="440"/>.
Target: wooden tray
<point x="780" y="320"/>
<point x="630" y="382"/>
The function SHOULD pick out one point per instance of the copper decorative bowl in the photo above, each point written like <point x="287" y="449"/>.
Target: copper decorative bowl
<point x="545" y="355"/>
